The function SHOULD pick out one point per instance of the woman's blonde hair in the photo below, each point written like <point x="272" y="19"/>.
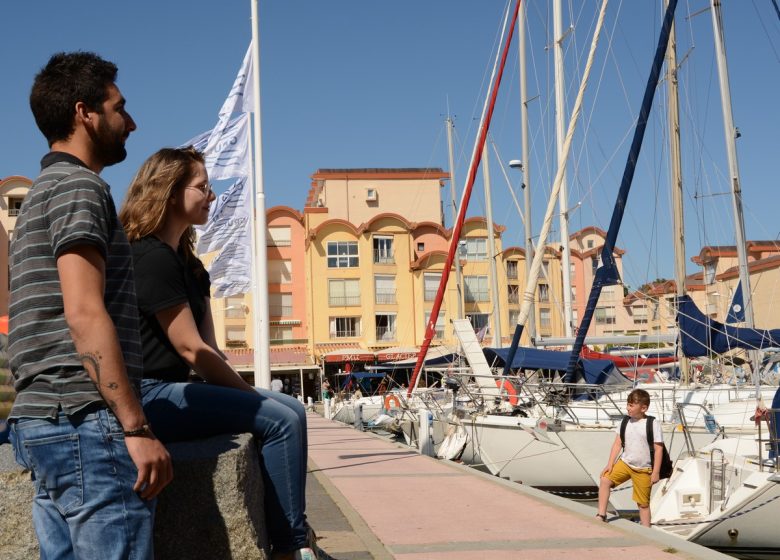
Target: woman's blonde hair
<point x="160" y="177"/>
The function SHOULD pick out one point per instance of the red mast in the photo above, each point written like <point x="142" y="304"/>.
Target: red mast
<point x="464" y="202"/>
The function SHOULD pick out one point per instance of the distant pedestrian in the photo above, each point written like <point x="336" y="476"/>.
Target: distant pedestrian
<point x="277" y="385"/>
<point x="74" y="344"/>
<point x="326" y="393"/>
<point x="634" y="462"/>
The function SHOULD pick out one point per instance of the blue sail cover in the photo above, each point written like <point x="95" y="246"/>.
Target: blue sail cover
<point x="701" y="335"/>
<point x="597" y="372"/>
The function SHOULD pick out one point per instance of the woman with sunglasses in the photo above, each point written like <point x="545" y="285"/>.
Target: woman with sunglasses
<point x="168" y="196"/>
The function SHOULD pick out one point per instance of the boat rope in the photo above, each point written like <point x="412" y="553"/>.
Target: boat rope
<point x="717" y="519"/>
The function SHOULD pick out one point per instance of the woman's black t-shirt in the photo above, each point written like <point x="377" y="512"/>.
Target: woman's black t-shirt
<point x="163" y="280"/>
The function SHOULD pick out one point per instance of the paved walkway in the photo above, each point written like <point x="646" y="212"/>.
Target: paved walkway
<point x="369" y="498"/>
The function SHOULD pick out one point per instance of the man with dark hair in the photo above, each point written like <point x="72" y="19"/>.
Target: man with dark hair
<point x="77" y="423"/>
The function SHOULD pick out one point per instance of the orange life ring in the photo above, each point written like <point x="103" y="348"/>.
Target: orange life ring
<point x="506" y="386"/>
<point x="391" y="401"/>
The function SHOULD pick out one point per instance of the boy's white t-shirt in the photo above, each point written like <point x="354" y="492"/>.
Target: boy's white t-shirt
<point x="636" y="453"/>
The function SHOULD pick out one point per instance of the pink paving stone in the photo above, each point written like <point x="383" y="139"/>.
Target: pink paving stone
<point x="409" y="510"/>
<point x="606" y="553"/>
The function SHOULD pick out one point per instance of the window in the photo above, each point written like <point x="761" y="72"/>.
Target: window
<point x="384" y="289"/>
<point x="605" y="315"/>
<point x="439" y="332"/>
<point x="383" y="250"/>
<point x="234" y="307"/>
<point x="344" y="327"/>
<point x="607" y="293"/>
<point x="572" y="270"/>
<point x="640" y="315"/>
<point x="479" y="321"/>
<point x="476" y="249"/>
<point x="431" y="285"/>
<point x="235" y="337"/>
<point x="278" y="237"/>
<point x="385" y="326"/>
<point x="343" y="254"/>
<point x="546" y="269"/>
<point x="476" y="288"/>
<point x="709" y="273"/>
<point x="279" y="272"/>
<point x="595" y="262"/>
<point x="514" y="317"/>
<point x="280" y="334"/>
<point x="575" y="317"/>
<point x="343" y="292"/>
<point x="14" y="205"/>
<point x="514" y="294"/>
<point x="574" y="293"/>
<point x="511" y="269"/>
<point x="544" y="318"/>
<point x="421" y="247"/>
<point x="544" y="292"/>
<point x="590" y="244"/>
<point x="280" y="305"/>
<point x="371" y="195"/>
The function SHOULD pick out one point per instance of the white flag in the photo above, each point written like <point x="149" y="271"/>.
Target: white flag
<point x="228" y="230"/>
<point x="226" y="151"/>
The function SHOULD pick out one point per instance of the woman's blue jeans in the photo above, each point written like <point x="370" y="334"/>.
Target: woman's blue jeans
<point x="186" y="411"/>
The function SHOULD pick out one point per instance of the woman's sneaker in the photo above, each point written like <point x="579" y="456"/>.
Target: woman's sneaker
<point x="305" y="554"/>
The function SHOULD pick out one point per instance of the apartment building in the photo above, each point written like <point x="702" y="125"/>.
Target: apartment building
<point x="12" y="192"/>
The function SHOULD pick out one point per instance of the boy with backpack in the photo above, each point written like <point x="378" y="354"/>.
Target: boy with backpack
<point x="640" y="462"/>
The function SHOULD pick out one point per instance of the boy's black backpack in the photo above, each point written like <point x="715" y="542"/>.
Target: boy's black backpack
<point x="666" y="462"/>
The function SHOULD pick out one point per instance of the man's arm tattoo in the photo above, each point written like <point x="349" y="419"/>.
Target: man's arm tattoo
<point x="93" y="359"/>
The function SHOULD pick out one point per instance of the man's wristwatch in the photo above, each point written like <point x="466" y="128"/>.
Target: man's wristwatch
<point x="143" y="431"/>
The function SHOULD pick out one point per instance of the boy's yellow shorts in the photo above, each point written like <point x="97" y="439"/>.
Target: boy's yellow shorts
<point x="640" y="478"/>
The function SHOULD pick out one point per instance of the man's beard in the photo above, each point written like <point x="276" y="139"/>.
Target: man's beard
<point x="109" y="146"/>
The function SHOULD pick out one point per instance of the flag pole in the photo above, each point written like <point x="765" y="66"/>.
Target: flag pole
<point x="260" y="265"/>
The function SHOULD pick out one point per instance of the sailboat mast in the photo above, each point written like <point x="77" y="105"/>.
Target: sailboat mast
<point x="731" y="150"/>
<point x="491" y="248"/>
<point x="560" y="132"/>
<point x="675" y="168"/>
<point x="453" y="191"/>
<point x="526" y="170"/>
<point x="731" y="135"/>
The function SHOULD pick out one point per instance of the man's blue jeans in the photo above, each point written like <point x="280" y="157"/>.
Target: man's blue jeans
<point x="186" y="411"/>
<point x="84" y="505"/>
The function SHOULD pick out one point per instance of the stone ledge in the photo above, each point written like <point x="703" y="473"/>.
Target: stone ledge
<point x="212" y="509"/>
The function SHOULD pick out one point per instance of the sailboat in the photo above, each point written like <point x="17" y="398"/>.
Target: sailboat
<point x="555" y="442"/>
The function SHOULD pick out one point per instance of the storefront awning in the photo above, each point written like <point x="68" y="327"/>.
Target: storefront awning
<point x="349" y="355"/>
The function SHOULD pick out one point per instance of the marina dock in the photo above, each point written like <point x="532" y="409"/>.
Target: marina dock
<point x="370" y="498"/>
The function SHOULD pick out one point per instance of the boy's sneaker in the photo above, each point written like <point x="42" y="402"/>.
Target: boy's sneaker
<point x="305" y="554"/>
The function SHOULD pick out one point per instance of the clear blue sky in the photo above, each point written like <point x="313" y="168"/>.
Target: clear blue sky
<point x="356" y="83"/>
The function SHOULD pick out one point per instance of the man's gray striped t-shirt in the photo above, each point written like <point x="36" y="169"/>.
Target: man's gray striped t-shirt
<point x="68" y="205"/>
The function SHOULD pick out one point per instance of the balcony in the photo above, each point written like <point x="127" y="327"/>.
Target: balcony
<point x="382" y="258"/>
<point x="280" y="310"/>
<point x="385" y="333"/>
<point x="344" y="301"/>
<point x="385" y="296"/>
